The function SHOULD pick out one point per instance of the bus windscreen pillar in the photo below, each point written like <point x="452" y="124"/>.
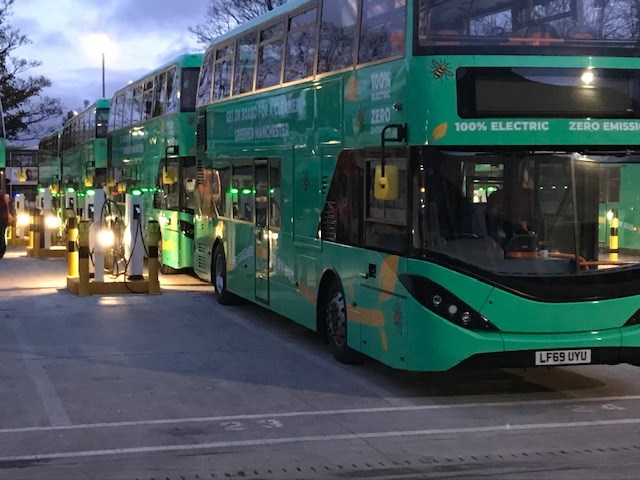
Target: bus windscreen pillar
<point x="133" y="246"/>
<point x="95" y="206"/>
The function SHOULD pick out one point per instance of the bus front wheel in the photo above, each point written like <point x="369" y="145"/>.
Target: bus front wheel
<point x="336" y="322"/>
<point x="219" y="278"/>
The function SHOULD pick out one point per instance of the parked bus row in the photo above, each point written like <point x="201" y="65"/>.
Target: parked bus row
<point x="435" y="184"/>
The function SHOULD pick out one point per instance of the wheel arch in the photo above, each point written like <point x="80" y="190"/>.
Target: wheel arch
<point x="328" y="277"/>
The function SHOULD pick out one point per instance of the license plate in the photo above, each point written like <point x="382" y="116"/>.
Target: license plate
<point x="563" y="357"/>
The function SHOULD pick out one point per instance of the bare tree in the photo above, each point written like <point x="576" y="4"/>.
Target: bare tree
<point x="223" y="15"/>
<point x="27" y="111"/>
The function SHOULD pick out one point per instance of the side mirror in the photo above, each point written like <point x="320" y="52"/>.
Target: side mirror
<point x="386" y="187"/>
<point x="169" y="175"/>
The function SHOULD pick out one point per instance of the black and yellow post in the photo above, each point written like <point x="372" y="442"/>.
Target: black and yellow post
<point x="37" y="234"/>
<point x="83" y="258"/>
<point x="72" y="237"/>
<point x="613" y="236"/>
<point x="153" y="239"/>
<point x="32" y="231"/>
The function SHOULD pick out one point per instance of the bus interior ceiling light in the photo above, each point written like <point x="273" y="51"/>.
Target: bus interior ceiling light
<point x="587" y="77"/>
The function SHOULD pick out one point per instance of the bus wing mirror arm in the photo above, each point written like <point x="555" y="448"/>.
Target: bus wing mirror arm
<point x="401" y="136"/>
<point x="386" y="178"/>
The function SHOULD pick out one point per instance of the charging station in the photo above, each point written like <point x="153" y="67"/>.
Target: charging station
<point x="133" y="241"/>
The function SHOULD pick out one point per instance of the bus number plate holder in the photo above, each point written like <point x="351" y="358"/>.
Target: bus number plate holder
<point x="563" y="357"/>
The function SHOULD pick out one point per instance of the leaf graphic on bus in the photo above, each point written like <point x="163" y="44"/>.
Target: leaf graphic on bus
<point x="440" y="131"/>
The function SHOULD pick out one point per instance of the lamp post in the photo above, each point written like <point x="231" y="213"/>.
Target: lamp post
<point x="103" y="90"/>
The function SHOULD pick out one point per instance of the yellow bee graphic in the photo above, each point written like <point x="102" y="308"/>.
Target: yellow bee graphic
<point x="441" y="70"/>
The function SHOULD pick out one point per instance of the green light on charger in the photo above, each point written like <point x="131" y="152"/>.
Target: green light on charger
<point x="71" y="189"/>
<point x="90" y="193"/>
<point x="136" y="192"/>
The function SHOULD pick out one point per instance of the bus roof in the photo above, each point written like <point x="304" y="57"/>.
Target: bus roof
<point x="99" y="103"/>
<point x="262" y="19"/>
<point x="188" y="60"/>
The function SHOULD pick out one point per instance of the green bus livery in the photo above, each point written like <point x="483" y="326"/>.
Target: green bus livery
<point x="83" y="153"/>
<point x="435" y="184"/>
<point x="49" y="164"/>
<point x="152" y="153"/>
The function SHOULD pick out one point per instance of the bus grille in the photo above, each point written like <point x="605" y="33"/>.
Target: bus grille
<point x="329" y="222"/>
<point x="201" y="256"/>
<point x="201" y="131"/>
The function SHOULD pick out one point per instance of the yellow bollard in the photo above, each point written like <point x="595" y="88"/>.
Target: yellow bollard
<point x="153" y="239"/>
<point x="32" y="227"/>
<point x="72" y="253"/>
<point x="613" y="237"/>
<point x="37" y="235"/>
<point x="83" y="258"/>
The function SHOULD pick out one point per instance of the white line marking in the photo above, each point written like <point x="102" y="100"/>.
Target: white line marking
<point x="319" y="438"/>
<point x="51" y="402"/>
<point x="313" y="413"/>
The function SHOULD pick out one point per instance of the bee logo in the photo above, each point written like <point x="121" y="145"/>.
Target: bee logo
<point x="441" y="70"/>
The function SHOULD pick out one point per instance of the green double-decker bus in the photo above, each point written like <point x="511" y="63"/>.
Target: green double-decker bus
<point x="83" y="154"/>
<point x="152" y="153"/>
<point x="429" y="183"/>
<point x="49" y="165"/>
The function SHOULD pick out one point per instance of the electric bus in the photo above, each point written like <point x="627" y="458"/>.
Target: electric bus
<point x="152" y="153"/>
<point x="83" y="154"/>
<point x="429" y="183"/>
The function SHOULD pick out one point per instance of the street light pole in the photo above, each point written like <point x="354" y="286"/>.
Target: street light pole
<point x="103" y="90"/>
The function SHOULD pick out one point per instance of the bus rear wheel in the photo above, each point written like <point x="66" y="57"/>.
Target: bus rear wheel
<point x="336" y="322"/>
<point x="219" y="278"/>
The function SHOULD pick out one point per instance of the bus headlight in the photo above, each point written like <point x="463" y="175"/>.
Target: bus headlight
<point x="52" y="222"/>
<point x="23" y="220"/>
<point x="445" y="304"/>
<point x="106" y="238"/>
<point x="634" y="320"/>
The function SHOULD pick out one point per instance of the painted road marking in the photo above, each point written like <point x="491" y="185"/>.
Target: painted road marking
<point x="318" y="438"/>
<point x="313" y="413"/>
<point x="50" y="400"/>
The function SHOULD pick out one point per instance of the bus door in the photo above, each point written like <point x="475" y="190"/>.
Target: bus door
<point x="267" y="223"/>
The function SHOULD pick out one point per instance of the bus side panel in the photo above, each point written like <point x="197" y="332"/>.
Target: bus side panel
<point x="240" y="252"/>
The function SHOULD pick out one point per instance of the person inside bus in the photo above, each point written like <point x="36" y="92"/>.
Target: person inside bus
<point x="505" y="220"/>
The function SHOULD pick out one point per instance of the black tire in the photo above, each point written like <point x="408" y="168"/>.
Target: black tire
<point x="335" y="319"/>
<point x="219" y="278"/>
<point x="164" y="269"/>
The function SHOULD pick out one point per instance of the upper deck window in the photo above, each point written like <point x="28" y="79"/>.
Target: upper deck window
<point x="270" y="56"/>
<point x="245" y="64"/>
<point x="222" y="72"/>
<point x="188" y="90"/>
<point x="173" y="89"/>
<point x="382" y="30"/>
<point x="337" y="34"/>
<point x="529" y="23"/>
<point x="301" y="46"/>
<point x="206" y="73"/>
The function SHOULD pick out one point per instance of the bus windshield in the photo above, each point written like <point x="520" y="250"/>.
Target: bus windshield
<point x="513" y="23"/>
<point x="528" y="213"/>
